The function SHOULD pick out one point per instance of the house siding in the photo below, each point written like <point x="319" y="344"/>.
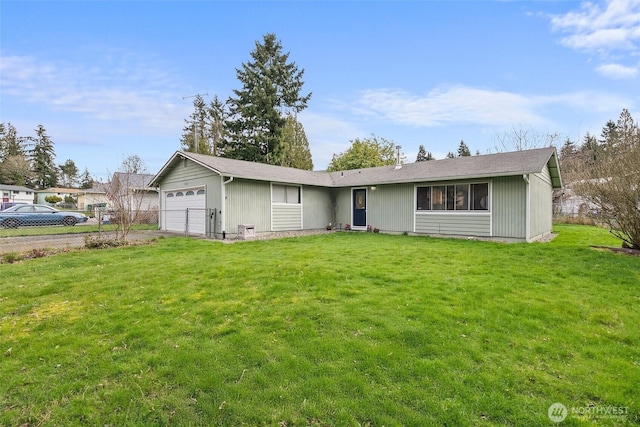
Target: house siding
<point x="509" y="205"/>
<point x="541" y="204"/>
<point x="286" y="217"/>
<point x="390" y="207"/>
<point x="316" y="207"/>
<point x="467" y="224"/>
<point x="343" y="206"/>
<point x="248" y="202"/>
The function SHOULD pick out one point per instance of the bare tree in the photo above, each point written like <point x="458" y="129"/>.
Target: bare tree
<point x="519" y="139"/>
<point x="611" y="181"/>
<point x="126" y="192"/>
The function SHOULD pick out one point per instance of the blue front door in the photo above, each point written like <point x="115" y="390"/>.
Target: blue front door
<point x="360" y="207"/>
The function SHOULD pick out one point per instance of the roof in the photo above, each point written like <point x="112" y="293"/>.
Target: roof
<point x="471" y="167"/>
<point x="15" y="188"/>
<point x="59" y="190"/>
<point x="134" y="180"/>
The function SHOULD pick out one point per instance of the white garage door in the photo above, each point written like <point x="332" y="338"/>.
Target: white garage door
<point x="185" y="210"/>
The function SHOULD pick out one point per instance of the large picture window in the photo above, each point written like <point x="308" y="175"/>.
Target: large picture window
<point x="285" y="194"/>
<point x="459" y="197"/>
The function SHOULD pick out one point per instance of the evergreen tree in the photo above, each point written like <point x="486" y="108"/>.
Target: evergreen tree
<point x="85" y="179"/>
<point x="68" y="173"/>
<point x="194" y="137"/>
<point x="15" y="168"/>
<point x="10" y="143"/>
<point x="271" y="87"/>
<point x="295" y="146"/>
<point x="463" y="150"/>
<point x="217" y="130"/>
<point x="450" y="155"/>
<point x="423" y="155"/>
<point x="42" y="157"/>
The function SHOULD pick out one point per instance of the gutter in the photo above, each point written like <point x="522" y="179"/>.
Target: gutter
<point x="223" y="207"/>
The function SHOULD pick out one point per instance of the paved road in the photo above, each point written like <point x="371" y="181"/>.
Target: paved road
<point x="61" y="241"/>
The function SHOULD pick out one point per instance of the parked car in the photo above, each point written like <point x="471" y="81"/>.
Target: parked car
<point x="31" y="215"/>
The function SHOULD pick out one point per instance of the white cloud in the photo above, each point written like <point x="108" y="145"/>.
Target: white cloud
<point x="601" y="28"/>
<point x="124" y="89"/>
<point x="617" y="71"/>
<point x="461" y="105"/>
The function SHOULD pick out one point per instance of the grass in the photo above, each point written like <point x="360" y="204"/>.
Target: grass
<point x="338" y="329"/>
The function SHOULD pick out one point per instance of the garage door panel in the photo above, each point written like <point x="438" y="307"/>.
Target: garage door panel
<point x="180" y="203"/>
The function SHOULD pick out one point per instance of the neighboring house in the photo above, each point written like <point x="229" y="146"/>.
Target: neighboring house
<point x="505" y="195"/>
<point x="136" y="187"/>
<point x="16" y="194"/>
<point x="55" y="191"/>
<point x="90" y="198"/>
<point x="568" y="203"/>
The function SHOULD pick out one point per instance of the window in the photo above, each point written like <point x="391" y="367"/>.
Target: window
<point x="169" y="194"/>
<point x="200" y="192"/>
<point x="439" y="194"/>
<point x="460" y="197"/>
<point x="423" y="199"/>
<point x="190" y="193"/>
<point x="480" y="196"/>
<point x="179" y="194"/>
<point x="286" y="194"/>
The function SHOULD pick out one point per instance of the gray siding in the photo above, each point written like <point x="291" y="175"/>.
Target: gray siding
<point x="248" y="202"/>
<point x="390" y="207"/>
<point x="316" y="206"/>
<point x="286" y="217"/>
<point x="509" y="205"/>
<point x="343" y="206"/>
<point x="541" y="204"/>
<point x="466" y="224"/>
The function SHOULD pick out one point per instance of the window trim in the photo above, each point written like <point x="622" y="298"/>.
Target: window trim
<point x="285" y="186"/>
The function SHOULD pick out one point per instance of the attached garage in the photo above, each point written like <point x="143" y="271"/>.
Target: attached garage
<point x="185" y="210"/>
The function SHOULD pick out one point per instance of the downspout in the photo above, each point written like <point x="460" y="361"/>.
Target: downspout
<point x="527" y="214"/>
<point x="223" y="205"/>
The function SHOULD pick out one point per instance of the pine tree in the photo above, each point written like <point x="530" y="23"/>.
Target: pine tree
<point x="450" y="155"/>
<point x="423" y="155"/>
<point x="10" y="143"/>
<point x="194" y="137"/>
<point x="42" y="157"/>
<point x="295" y="146"/>
<point x="271" y="87"/>
<point x="85" y="179"/>
<point x="217" y="130"/>
<point x="463" y="150"/>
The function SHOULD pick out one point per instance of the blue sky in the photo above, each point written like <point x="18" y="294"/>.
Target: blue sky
<point x="107" y="79"/>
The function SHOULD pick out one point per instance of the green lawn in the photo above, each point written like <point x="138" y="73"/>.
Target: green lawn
<point x="339" y="329"/>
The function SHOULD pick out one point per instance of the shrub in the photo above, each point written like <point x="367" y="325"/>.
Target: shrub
<point x="100" y="242"/>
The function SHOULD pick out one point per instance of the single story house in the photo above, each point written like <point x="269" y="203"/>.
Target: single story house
<point x="505" y="195"/>
<point x="135" y="187"/>
<point x="16" y="194"/>
<point x="56" y="191"/>
<point x="91" y="198"/>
